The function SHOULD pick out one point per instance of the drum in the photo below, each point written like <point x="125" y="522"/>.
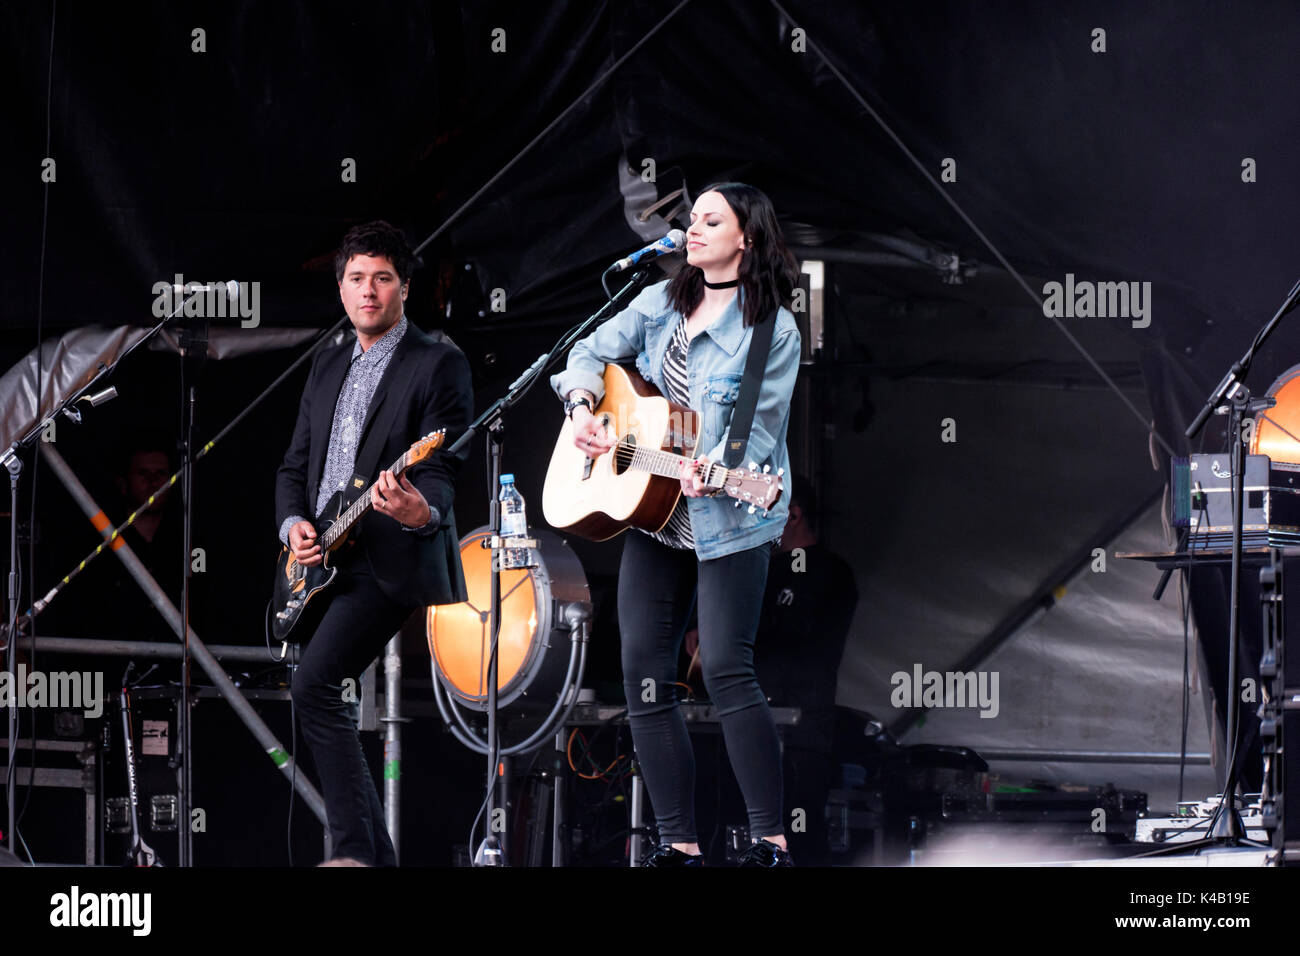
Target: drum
<point x="1277" y="429"/>
<point x="534" y="649"/>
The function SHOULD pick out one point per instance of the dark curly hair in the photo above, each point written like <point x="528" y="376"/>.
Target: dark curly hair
<point x="376" y="238"/>
<point x="768" y="271"/>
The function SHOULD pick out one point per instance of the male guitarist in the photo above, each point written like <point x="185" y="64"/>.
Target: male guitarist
<point x="365" y="402"/>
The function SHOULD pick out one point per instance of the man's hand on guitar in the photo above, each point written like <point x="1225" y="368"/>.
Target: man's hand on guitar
<point x="302" y="542"/>
<point x="401" y="501"/>
<point x="590" y="435"/>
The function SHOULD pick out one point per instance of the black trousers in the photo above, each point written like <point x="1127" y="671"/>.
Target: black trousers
<point x="657" y="588"/>
<point x="358" y="622"/>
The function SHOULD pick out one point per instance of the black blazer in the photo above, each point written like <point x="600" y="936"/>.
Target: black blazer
<point x="426" y="386"/>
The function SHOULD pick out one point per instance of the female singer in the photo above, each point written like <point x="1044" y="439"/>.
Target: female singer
<point x="690" y="337"/>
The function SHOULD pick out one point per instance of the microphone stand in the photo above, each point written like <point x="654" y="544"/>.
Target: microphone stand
<point x="492" y="852"/>
<point x="193" y="349"/>
<point x="1232" y="397"/>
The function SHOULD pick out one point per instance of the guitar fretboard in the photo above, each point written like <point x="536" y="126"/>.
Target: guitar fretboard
<point x="359" y="507"/>
<point x="657" y="461"/>
<point x="758" y="489"/>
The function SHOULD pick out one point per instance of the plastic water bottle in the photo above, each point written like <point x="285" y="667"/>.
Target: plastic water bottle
<point x="514" y="522"/>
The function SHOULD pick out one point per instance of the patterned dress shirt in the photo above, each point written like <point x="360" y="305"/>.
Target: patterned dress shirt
<point x="358" y="389"/>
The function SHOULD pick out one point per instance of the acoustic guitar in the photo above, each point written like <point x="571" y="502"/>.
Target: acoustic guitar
<point x="295" y="585"/>
<point x="636" y="484"/>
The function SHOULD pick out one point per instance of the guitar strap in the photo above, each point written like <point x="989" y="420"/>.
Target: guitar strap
<point x="742" y="415"/>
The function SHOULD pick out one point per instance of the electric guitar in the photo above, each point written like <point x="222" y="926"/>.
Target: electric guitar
<point x="295" y="585"/>
<point x="636" y="484"/>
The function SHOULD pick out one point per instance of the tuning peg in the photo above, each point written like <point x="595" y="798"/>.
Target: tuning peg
<point x="751" y="509"/>
<point x="780" y="472"/>
<point x="753" y="466"/>
<point x="766" y="469"/>
<point x="737" y="503"/>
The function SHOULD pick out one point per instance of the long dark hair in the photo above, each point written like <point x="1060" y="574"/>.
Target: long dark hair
<point x="768" y="271"/>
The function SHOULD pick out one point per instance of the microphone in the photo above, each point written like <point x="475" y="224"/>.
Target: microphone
<point x="675" y="241"/>
<point x="231" y="288"/>
<point x="213" y="299"/>
<point x="99" y="398"/>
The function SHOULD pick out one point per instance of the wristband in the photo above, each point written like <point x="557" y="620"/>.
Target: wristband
<point x="572" y="404"/>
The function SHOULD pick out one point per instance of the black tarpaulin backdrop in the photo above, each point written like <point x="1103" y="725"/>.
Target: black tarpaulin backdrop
<point x="1122" y="165"/>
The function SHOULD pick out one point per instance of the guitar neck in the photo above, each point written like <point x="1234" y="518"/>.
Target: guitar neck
<point x="664" y="463"/>
<point x="758" y="489"/>
<point x="358" y="508"/>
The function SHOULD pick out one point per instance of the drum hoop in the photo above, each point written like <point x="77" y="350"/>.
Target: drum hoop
<point x="1286" y="378"/>
<point x="545" y="604"/>
<point x="1283" y="379"/>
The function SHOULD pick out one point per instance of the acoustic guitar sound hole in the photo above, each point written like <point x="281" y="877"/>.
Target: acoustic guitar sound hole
<point x="623" y="455"/>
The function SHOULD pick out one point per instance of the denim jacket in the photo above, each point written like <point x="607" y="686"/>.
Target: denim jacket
<point x="715" y="367"/>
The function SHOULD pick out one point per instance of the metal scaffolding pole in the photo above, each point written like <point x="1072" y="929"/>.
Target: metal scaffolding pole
<point x="111" y="646"/>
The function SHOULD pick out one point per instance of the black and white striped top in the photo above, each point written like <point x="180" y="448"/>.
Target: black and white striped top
<point x="677" y="532"/>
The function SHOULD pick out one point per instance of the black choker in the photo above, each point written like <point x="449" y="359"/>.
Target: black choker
<point x="721" y="285"/>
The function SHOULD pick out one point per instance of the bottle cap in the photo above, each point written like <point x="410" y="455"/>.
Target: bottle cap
<point x="508" y="479"/>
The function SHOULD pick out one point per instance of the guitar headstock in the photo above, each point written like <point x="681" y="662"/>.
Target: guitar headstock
<point x="426" y="446"/>
<point x="759" y="489"/>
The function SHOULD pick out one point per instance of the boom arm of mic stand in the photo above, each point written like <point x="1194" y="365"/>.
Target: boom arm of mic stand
<point x="68" y="406"/>
<point x="1221" y="392"/>
<point x="1237" y="374"/>
<point x="520" y="385"/>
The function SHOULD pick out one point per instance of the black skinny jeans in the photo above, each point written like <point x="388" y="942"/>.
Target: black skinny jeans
<point x="359" y="621"/>
<point x="657" y="588"/>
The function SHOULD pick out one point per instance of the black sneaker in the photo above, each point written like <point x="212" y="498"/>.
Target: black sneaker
<point x="666" y="855"/>
<point x="765" y="854"/>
